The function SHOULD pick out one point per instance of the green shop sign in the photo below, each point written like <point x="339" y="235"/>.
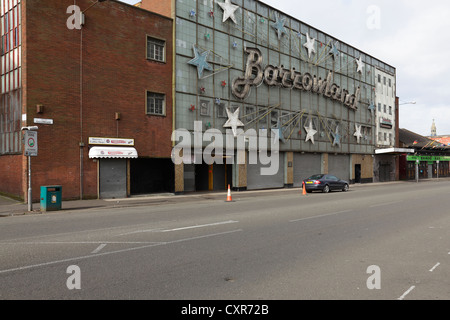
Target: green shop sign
<point x="428" y="158"/>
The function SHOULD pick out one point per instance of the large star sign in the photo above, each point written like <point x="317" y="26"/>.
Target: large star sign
<point x="337" y="138"/>
<point x="200" y="61"/>
<point x="310" y="132"/>
<point x="279" y="26"/>
<point x="228" y="10"/>
<point x="310" y="45"/>
<point x="233" y="121"/>
<point x="358" y="133"/>
<point x="360" y="64"/>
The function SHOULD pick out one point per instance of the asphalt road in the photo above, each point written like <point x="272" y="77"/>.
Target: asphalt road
<point x="376" y="242"/>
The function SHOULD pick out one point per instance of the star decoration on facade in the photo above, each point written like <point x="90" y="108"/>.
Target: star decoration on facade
<point x="228" y="10"/>
<point x="337" y="138"/>
<point x="279" y="26"/>
<point x="280" y="131"/>
<point x="334" y="51"/>
<point x="192" y="13"/>
<point x="358" y="133"/>
<point x="372" y="109"/>
<point x="200" y="61"/>
<point x="310" y="133"/>
<point x="233" y="121"/>
<point x="360" y="64"/>
<point x="310" y="45"/>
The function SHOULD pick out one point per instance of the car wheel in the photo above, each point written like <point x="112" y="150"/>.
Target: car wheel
<point x="346" y="188"/>
<point x="326" y="189"/>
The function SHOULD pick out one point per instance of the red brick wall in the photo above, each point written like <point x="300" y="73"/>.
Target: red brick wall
<point x="116" y="75"/>
<point x="10" y="176"/>
<point x="163" y="7"/>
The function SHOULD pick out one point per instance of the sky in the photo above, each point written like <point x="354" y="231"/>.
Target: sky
<point x="411" y="35"/>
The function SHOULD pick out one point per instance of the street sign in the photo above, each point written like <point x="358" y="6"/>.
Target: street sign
<point x="43" y="121"/>
<point x="31" y="143"/>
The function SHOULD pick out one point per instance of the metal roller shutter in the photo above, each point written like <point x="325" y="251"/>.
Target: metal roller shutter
<point x="339" y="166"/>
<point x="305" y="165"/>
<point x="255" y="181"/>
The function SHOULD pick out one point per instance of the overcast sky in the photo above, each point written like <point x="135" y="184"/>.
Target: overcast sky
<point x="411" y="35"/>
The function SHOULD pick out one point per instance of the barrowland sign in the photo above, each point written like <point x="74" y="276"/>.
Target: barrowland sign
<point x="256" y="143"/>
<point x="255" y="75"/>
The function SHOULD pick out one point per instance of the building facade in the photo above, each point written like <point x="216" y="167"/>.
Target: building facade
<point x="429" y="159"/>
<point x="386" y="164"/>
<point x="100" y="90"/>
<point x="247" y="62"/>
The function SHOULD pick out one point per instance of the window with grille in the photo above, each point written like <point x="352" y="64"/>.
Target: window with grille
<point x="156" y="49"/>
<point x="156" y="104"/>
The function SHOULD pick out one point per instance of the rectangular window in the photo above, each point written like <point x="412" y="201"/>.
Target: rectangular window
<point x="385" y="109"/>
<point x="390" y="83"/>
<point x="156" y="104"/>
<point x="379" y="78"/>
<point x="156" y="49"/>
<point x="390" y="110"/>
<point x="384" y="80"/>
<point x="379" y="107"/>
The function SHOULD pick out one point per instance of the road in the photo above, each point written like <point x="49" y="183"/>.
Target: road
<point x="376" y="242"/>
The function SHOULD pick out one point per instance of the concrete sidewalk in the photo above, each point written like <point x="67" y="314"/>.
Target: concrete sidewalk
<point x="10" y="207"/>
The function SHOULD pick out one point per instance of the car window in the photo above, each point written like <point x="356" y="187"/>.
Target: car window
<point x="316" y="177"/>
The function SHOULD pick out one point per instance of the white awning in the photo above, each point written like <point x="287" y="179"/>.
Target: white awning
<point x="109" y="152"/>
<point x="394" y="151"/>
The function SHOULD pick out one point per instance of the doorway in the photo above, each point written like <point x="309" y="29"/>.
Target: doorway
<point x="358" y="173"/>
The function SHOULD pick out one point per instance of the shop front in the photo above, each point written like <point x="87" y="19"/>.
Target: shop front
<point x="113" y="165"/>
<point x="427" y="167"/>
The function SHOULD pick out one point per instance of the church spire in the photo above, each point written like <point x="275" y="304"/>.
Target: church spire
<point x="433" y="130"/>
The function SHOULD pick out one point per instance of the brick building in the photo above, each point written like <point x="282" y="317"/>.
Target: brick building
<point x="100" y="90"/>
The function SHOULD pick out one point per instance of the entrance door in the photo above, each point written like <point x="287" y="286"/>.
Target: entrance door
<point x="113" y="178"/>
<point x="358" y="173"/>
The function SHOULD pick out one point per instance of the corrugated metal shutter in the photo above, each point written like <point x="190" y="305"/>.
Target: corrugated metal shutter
<point x="339" y="166"/>
<point x="255" y="181"/>
<point x="305" y="165"/>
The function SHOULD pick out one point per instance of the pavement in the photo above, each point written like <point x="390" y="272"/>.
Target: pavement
<point x="10" y="207"/>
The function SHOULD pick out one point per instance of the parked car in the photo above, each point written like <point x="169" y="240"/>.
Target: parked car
<point x="325" y="183"/>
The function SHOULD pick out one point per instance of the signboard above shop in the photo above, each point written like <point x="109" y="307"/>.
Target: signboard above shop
<point x="429" y="158"/>
<point x="111" y="141"/>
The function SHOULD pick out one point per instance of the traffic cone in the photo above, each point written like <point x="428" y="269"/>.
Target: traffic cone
<point x="304" y="189"/>
<point x="229" y="199"/>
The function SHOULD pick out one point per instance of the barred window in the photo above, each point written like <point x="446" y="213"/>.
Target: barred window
<point x="156" y="104"/>
<point x="156" y="49"/>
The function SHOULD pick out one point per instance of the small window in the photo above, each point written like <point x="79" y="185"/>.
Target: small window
<point x="156" y="49"/>
<point x="379" y="107"/>
<point x="379" y="78"/>
<point x="156" y="104"/>
<point x="384" y="80"/>
<point x="390" y="110"/>
<point x="385" y="109"/>
<point x="390" y="83"/>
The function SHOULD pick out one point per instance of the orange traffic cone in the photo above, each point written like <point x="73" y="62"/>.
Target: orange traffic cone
<point x="229" y="199"/>
<point x="304" y="189"/>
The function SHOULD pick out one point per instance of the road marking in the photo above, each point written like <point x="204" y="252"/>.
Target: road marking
<point x="385" y="204"/>
<point x="434" y="268"/>
<point x="116" y="252"/>
<point x="99" y="248"/>
<point x="83" y="242"/>
<point x="322" y="216"/>
<point x="406" y="293"/>
<point x="181" y="229"/>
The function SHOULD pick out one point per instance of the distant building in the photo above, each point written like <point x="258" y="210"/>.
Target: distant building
<point x="432" y="156"/>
